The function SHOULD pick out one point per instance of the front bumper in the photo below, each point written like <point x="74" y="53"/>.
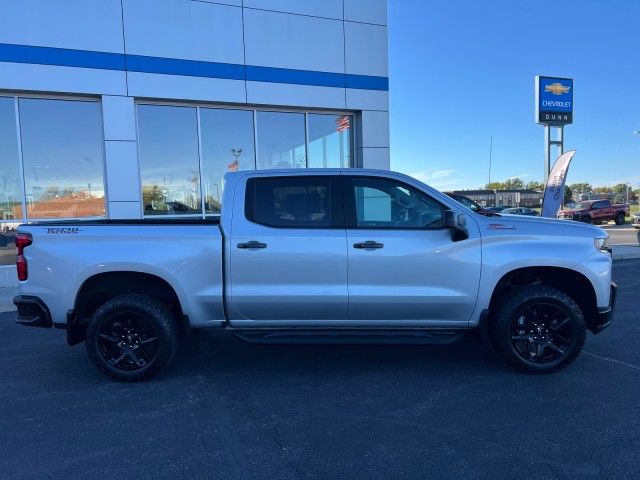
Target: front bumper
<point x="604" y="316"/>
<point x="32" y="312"/>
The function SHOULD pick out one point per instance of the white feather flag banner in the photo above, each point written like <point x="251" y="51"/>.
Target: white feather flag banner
<point x="554" y="191"/>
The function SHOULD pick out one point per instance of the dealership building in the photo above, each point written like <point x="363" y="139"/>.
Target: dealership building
<point x="127" y="109"/>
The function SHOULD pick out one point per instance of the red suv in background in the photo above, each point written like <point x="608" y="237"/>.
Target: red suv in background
<point x="596" y="211"/>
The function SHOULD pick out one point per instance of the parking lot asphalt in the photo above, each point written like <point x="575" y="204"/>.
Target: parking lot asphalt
<point x="226" y="409"/>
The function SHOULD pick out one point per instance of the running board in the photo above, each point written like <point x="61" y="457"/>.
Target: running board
<point x="349" y="336"/>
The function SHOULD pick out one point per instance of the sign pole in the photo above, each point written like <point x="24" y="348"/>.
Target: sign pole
<point x="548" y="144"/>
<point x="547" y="153"/>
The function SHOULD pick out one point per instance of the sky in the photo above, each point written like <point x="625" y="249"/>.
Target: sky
<point x="462" y="71"/>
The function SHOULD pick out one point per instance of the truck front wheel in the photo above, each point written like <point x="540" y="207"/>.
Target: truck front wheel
<point x="620" y="218"/>
<point x="131" y="337"/>
<point x="537" y="329"/>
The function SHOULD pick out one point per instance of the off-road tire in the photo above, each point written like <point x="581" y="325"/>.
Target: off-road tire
<point x="145" y="307"/>
<point x="586" y="219"/>
<point x="619" y="218"/>
<point x="505" y="312"/>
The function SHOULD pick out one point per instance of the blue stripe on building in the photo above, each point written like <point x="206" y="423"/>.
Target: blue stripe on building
<point x="193" y="68"/>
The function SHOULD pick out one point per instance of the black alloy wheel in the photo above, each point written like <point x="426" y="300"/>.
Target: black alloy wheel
<point x="131" y="337"/>
<point x="537" y="328"/>
<point x="542" y="333"/>
<point x="128" y="341"/>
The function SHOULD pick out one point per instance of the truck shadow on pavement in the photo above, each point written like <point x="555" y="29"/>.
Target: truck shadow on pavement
<point x="211" y="352"/>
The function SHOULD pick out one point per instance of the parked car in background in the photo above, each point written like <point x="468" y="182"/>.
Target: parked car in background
<point x="520" y="211"/>
<point x="596" y="212"/>
<point x="470" y="204"/>
<point x="635" y="221"/>
<point x="494" y="209"/>
<point x="7" y="238"/>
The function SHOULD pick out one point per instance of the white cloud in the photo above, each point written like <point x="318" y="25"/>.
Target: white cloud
<point x="429" y="176"/>
<point x="440" y="179"/>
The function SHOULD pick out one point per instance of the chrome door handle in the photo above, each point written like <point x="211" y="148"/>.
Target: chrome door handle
<point x="368" y="245"/>
<point x="252" y="244"/>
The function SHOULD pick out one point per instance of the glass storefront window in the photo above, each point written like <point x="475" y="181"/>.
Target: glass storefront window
<point x="62" y="155"/>
<point x="169" y="160"/>
<point x="330" y="140"/>
<point x="281" y="140"/>
<point x="227" y="141"/>
<point x="10" y="190"/>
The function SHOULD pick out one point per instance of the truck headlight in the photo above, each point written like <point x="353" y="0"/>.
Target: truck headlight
<point x="601" y="243"/>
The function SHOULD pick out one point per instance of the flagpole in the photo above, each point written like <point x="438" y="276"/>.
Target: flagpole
<point x="490" y="154"/>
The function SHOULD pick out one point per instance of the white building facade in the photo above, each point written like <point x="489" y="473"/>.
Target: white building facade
<point x="126" y="109"/>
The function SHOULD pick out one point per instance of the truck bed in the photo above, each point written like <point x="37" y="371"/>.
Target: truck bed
<point x="186" y="253"/>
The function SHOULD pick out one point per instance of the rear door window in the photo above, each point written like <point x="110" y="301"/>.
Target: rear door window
<point x="290" y="202"/>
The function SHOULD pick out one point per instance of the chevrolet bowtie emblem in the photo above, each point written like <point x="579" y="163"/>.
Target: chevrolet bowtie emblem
<point x="556" y="88"/>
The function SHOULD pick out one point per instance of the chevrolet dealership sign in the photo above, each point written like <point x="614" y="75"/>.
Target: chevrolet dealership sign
<point x="554" y="100"/>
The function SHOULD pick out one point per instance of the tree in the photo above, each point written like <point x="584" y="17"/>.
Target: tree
<point x="533" y="185"/>
<point x="513" y="184"/>
<point x="568" y="194"/>
<point x="602" y="189"/>
<point x="509" y="184"/>
<point x="581" y="187"/>
<point x="620" y="188"/>
<point x="152" y="195"/>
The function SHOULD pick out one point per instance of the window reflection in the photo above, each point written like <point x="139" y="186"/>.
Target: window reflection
<point x="227" y="146"/>
<point x="169" y="164"/>
<point x="10" y="191"/>
<point x="62" y="158"/>
<point x="281" y="140"/>
<point x="383" y="203"/>
<point x="329" y="140"/>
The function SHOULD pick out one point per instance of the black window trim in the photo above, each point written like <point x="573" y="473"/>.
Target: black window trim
<point x="336" y="203"/>
<point x="351" y="215"/>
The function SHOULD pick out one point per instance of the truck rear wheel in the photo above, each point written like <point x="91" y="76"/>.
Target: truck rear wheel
<point x="537" y="329"/>
<point x="131" y="337"/>
<point x="585" y="219"/>
<point x="620" y="218"/>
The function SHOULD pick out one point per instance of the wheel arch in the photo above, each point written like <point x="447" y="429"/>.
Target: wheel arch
<point x="100" y="287"/>
<point x="573" y="283"/>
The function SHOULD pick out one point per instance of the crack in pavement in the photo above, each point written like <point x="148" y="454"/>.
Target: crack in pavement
<point x="612" y="360"/>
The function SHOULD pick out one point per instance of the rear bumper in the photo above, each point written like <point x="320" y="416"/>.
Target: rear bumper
<point x="605" y="314"/>
<point x="32" y="312"/>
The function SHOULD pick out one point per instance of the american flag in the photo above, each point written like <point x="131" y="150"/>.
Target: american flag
<point x="343" y="122"/>
<point x="233" y="166"/>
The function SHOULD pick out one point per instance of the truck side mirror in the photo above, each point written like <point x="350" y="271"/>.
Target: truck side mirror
<point x="457" y="222"/>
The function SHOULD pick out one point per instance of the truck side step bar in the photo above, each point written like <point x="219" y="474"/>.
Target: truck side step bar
<point x="349" y="336"/>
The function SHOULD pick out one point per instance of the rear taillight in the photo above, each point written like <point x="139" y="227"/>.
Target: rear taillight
<point x="22" y="241"/>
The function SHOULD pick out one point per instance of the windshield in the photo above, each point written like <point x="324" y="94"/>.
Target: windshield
<point x="582" y="205"/>
<point x="467" y="202"/>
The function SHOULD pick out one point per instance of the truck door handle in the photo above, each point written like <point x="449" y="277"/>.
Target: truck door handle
<point x="368" y="245"/>
<point x="252" y="244"/>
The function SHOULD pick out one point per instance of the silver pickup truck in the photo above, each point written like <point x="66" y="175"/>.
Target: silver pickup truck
<point x="340" y="255"/>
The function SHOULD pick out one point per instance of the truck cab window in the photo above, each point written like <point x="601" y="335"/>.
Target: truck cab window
<point x="289" y="202"/>
<point x="382" y="203"/>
